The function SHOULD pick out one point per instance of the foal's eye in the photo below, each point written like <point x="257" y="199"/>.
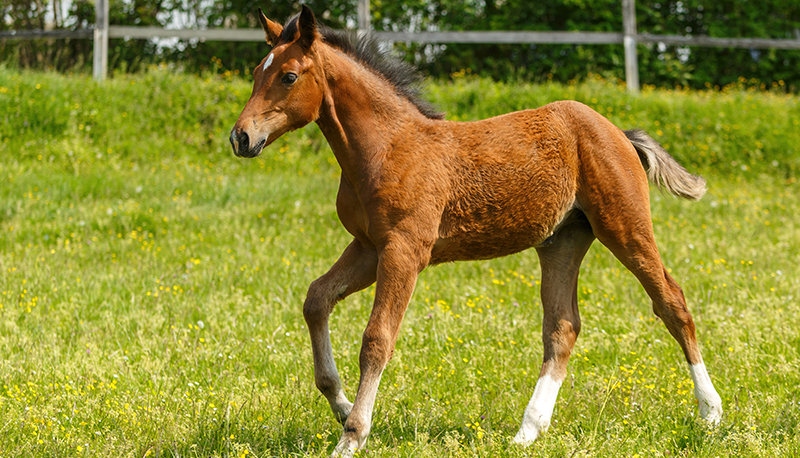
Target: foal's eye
<point x="289" y="78"/>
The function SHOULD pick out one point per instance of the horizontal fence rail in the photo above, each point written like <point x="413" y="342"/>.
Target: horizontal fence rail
<point x="712" y="42"/>
<point x="37" y="34"/>
<point x="628" y="38"/>
<point x="124" y="31"/>
<point x="477" y="37"/>
<point x="597" y="38"/>
<point x="482" y="37"/>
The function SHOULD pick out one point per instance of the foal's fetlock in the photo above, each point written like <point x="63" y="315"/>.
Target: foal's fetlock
<point x="341" y="410"/>
<point x="350" y="442"/>
<point x="710" y="411"/>
<point x="530" y="431"/>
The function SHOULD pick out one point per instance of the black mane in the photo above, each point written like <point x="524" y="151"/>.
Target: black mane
<point x="405" y="79"/>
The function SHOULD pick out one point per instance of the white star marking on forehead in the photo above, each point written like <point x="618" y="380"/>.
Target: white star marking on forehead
<point x="269" y="61"/>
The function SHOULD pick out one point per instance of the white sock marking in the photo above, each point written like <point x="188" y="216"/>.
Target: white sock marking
<point x="269" y="61"/>
<point x="708" y="400"/>
<point x="539" y="411"/>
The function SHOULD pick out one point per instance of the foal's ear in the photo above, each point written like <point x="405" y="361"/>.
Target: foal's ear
<point x="307" y="24"/>
<point x="271" y="29"/>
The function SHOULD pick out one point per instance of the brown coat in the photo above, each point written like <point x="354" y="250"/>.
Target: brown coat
<point x="418" y="190"/>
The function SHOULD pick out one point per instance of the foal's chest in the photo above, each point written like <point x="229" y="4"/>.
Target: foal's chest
<point x="351" y="212"/>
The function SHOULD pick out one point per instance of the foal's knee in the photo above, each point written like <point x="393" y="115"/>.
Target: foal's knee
<point x="317" y="306"/>
<point x="377" y="346"/>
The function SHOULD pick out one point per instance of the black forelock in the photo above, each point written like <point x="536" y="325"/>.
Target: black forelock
<point x="289" y="29"/>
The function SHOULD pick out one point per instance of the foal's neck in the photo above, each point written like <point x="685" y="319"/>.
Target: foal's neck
<point x="362" y="115"/>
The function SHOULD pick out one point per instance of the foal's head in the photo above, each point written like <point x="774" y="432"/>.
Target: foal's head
<point x="288" y="85"/>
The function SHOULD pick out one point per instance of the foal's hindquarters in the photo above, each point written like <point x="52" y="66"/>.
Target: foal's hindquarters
<point x="612" y="205"/>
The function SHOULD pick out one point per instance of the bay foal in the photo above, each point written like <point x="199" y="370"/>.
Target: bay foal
<point x="418" y="190"/>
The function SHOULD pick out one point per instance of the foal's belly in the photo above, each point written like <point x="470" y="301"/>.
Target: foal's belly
<point x="471" y="248"/>
<point x="491" y="235"/>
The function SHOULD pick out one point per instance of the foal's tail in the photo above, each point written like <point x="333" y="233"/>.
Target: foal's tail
<point x="663" y="170"/>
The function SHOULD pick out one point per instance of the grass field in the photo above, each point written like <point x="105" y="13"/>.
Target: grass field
<point x="152" y="286"/>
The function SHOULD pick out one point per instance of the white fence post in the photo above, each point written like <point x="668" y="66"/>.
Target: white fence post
<point x="363" y="17"/>
<point x="629" y="42"/>
<point x="100" y="57"/>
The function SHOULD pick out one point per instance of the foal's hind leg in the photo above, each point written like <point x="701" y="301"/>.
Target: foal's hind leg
<point x="560" y="264"/>
<point x="627" y="231"/>
<point x="354" y="271"/>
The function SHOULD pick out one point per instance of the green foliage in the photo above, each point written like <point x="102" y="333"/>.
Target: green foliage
<point x="663" y="66"/>
<point x="63" y="54"/>
<point x="719" y="66"/>
<point x="151" y="287"/>
<point x="508" y="62"/>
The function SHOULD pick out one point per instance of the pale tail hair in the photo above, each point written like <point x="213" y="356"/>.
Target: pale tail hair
<point x="663" y="170"/>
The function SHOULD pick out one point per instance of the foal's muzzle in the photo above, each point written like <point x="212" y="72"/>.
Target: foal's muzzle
<point x="240" y="141"/>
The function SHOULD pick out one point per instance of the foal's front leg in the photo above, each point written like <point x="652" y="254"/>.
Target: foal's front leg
<point x="398" y="268"/>
<point x="354" y="271"/>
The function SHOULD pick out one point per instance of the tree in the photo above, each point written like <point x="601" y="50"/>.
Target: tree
<point x="658" y="64"/>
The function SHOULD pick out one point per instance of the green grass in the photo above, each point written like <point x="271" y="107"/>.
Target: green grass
<point x="152" y="287"/>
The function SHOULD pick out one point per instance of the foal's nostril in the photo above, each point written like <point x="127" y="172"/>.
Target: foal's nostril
<point x="233" y="141"/>
<point x="240" y="142"/>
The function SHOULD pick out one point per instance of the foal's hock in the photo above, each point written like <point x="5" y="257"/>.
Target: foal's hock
<point x="418" y="190"/>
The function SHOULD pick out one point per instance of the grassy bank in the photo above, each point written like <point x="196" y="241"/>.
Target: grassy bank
<point x="160" y="115"/>
<point x="152" y="287"/>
